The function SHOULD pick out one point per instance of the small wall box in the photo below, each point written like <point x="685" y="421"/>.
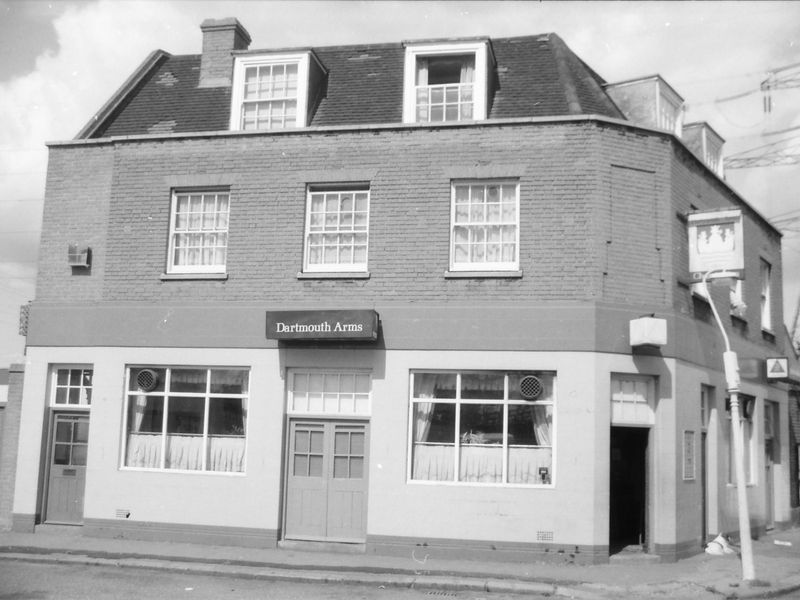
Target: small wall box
<point x="79" y="256"/>
<point x="648" y="331"/>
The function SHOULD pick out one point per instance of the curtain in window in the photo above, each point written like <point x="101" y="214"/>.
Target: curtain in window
<point x="432" y="461"/>
<point x="481" y="463"/>
<point x="468" y="70"/>
<point x="184" y="452"/>
<point x="144" y="450"/>
<point x="226" y="453"/>
<point x="422" y="71"/>
<point x="542" y="424"/>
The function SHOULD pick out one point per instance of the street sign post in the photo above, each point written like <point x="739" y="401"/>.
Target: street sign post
<point x="716" y="251"/>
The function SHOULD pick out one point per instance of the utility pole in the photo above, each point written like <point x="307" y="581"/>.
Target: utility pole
<point x="731" y="365"/>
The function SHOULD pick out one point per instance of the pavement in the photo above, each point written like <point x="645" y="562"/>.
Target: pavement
<point x="776" y="558"/>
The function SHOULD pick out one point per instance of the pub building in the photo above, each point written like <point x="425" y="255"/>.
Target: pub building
<point x="426" y="294"/>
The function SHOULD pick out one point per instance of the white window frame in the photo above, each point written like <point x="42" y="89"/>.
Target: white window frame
<point x="163" y="434"/>
<point x="633" y="399"/>
<point x="84" y="391"/>
<point x="480" y="85"/>
<point x="240" y="65"/>
<point x="173" y="268"/>
<point x="352" y="267"/>
<point x="689" y="455"/>
<point x="293" y="410"/>
<point x="484" y="266"/>
<point x="458" y="402"/>
<point x="765" y="272"/>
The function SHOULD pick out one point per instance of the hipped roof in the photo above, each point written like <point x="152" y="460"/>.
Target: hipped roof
<point x="534" y="76"/>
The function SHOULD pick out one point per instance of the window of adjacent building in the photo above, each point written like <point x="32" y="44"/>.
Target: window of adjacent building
<point x="485" y="226"/>
<point x="198" y="239"/>
<point x="186" y="419"/>
<point x="270" y="92"/>
<point x="488" y="427"/>
<point x="446" y="82"/>
<point x="72" y="386"/>
<point x="737" y="306"/>
<point x="337" y="229"/>
<point x="766" y="293"/>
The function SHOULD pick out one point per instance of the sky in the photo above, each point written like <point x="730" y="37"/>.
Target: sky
<point x="61" y="60"/>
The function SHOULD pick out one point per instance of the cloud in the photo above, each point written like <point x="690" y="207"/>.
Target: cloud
<point x="707" y="50"/>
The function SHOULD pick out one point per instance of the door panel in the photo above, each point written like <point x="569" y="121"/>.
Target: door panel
<point x="305" y="502"/>
<point x="326" y="496"/>
<point x="346" y="489"/>
<point x="67" y="480"/>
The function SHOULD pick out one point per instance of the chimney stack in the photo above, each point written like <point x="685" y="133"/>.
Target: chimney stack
<point x="220" y="38"/>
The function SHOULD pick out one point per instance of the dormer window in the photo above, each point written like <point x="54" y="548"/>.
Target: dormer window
<point x="650" y="102"/>
<point x="273" y="92"/>
<point x="446" y="82"/>
<point x="445" y="88"/>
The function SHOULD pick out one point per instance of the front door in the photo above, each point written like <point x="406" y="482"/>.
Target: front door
<point x="67" y="469"/>
<point x="628" y="484"/>
<point x="326" y="497"/>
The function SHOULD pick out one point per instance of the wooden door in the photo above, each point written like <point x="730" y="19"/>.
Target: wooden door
<point x="67" y="479"/>
<point x="326" y="496"/>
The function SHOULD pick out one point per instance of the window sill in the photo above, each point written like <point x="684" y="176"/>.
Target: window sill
<point x="333" y="275"/>
<point x="483" y="274"/>
<point x="186" y="276"/>
<point x="738" y="319"/>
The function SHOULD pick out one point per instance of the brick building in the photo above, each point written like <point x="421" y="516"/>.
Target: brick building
<point x="381" y="296"/>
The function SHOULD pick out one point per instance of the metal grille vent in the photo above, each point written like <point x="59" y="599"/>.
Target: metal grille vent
<point x="147" y="379"/>
<point x="530" y="387"/>
<point x="544" y="536"/>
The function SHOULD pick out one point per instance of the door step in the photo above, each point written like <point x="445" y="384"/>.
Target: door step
<point x="309" y="546"/>
<point x="634" y="553"/>
<point x="59" y="529"/>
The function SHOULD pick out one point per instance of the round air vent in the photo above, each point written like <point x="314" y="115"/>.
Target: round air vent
<point x="530" y="387"/>
<point x="147" y="380"/>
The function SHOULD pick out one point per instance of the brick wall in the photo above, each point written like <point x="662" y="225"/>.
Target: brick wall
<point x="601" y="215"/>
<point x="565" y="186"/>
<point x="9" y="436"/>
<point x="694" y="189"/>
<point x="75" y="211"/>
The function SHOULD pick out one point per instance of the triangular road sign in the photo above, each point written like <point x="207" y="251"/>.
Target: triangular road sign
<point x="777" y="368"/>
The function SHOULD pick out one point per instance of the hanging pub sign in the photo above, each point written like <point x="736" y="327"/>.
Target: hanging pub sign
<point x="322" y="325"/>
<point x="715" y="244"/>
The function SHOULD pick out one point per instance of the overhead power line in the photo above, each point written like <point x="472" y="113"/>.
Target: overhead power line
<point x="768" y="155"/>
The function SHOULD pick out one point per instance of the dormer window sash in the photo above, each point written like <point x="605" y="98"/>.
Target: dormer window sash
<point x="446" y="82"/>
<point x="444" y="88"/>
<point x="270" y="92"/>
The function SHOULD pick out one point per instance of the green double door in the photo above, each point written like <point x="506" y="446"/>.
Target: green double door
<point x="326" y="492"/>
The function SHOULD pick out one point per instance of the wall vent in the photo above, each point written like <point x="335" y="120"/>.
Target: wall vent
<point x="122" y="513"/>
<point x="544" y="536"/>
<point x="530" y="387"/>
<point x="147" y="380"/>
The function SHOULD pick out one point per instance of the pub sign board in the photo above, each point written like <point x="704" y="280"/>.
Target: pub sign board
<point x="322" y="325"/>
<point x="716" y="244"/>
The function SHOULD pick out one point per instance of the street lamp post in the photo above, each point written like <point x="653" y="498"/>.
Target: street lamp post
<point x="731" y="365"/>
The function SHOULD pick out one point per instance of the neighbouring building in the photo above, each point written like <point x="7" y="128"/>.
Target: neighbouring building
<point x="382" y="295"/>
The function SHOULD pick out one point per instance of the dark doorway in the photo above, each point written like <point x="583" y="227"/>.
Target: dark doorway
<point x="628" y="488"/>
